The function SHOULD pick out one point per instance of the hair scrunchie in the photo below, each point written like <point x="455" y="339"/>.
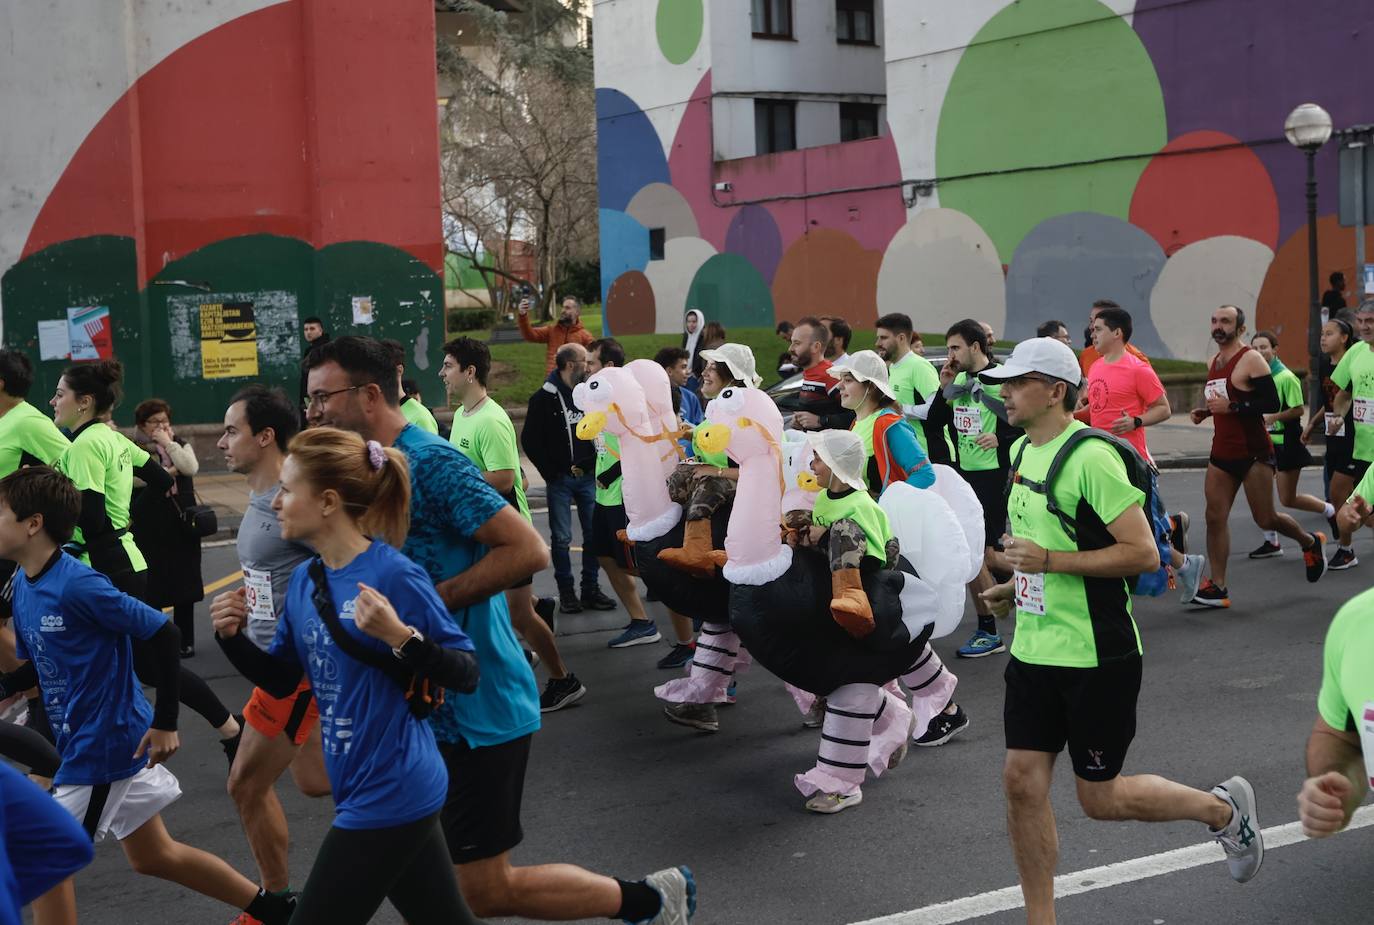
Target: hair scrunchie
<point x="376" y="456"/>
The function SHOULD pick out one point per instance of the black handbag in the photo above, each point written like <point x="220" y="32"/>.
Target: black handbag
<point x="200" y="520"/>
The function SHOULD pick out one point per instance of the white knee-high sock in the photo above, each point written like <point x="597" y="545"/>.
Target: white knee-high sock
<point x="843" y="757"/>
<point x="932" y="687"/>
<point x="712" y="668"/>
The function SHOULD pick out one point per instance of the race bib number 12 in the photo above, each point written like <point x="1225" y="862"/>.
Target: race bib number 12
<point x="1030" y="592"/>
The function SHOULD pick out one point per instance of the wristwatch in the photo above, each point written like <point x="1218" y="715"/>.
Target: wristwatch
<point x="1137" y="422"/>
<point x="411" y="646"/>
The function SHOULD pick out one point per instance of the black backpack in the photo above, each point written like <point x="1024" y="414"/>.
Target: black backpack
<point x="1138" y="471"/>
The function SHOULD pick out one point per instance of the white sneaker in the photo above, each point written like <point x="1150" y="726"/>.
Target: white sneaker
<point x="829" y="803"/>
<point x="678" y="890"/>
<point x="1241" y="839"/>
<point x="1190" y="577"/>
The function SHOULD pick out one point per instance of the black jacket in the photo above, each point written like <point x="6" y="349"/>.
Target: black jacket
<point x="549" y="438"/>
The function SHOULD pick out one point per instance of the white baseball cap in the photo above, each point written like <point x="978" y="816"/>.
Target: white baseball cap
<point x="738" y="358"/>
<point x="1043" y="355"/>
<point x="843" y="452"/>
<point x="865" y="366"/>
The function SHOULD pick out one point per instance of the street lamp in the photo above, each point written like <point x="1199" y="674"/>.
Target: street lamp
<point x="1307" y="128"/>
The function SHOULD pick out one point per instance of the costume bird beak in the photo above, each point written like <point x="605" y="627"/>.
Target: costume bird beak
<point x="592" y="423"/>
<point x="713" y="438"/>
<point x="807" y="481"/>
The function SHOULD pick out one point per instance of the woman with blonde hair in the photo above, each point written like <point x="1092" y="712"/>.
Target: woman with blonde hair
<point x="380" y="648"/>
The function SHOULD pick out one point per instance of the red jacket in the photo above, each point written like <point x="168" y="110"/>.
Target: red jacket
<point x="553" y="334"/>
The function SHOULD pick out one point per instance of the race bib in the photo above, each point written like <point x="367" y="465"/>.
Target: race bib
<point x="1363" y="411"/>
<point x="1335" y="419"/>
<point x="1367" y="740"/>
<point x="968" y="421"/>
<point x="1030" y="592"/>
<point x="257" y="586"/>
<point x="1215" y="388"/>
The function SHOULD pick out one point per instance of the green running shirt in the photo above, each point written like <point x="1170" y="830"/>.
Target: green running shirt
<point x="27" y="435"/>
<point x="607" y="455"/>
<point x="419" y="415"/>
<point x="1290" y="396"/>
<point x="859" y="507"/>
<point x="101" y="459"/>
<point x="1355" y="374"/>
<point x="1067" y="620"/>
<point x="487" y="437"/>
<point x="913" y="374"/>
<point x="1346" y="699"/>
<point x="972" y="419"/>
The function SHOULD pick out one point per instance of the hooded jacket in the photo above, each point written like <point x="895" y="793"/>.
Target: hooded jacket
<point x="549" y="438"/>
<point x="554" y="335"/>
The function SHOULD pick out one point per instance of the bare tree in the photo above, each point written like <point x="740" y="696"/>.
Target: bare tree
<point x="519" y="150"/>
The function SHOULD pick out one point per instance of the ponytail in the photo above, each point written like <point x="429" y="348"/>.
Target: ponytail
<point x="100" y="380"/>
<point x="373" y="481"/>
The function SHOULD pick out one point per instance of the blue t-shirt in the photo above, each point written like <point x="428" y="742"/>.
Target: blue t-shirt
<point x="382" y="762"/>
<point x="449" y="502"/>
<point x="75" y="627"/>
<point x="42" y="844"/>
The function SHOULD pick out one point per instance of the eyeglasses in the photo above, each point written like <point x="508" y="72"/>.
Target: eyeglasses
<point x="320" y="399"/>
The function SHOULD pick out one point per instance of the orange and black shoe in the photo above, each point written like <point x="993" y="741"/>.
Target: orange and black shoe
<point x="1314" y="557"/>
<point x="1211" y="595"/>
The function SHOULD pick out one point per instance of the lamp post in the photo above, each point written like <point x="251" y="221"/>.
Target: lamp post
<point x="1307" y="128"/>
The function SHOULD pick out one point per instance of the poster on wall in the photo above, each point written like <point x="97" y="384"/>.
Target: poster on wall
<point x="54" y="340"/>
<point x="362" y="309"/>
<point x="92" y="337"/>
<point x="228" y="340"/>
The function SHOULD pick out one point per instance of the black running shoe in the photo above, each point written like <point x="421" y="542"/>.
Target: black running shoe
<point x="679" y="656"/>
<point x="1314" y="557"/>
<point x="1178" y="532"/>
<point x="561" y="693"/>
<point x="1266" y="550"/>
<point x="547" y="608"/>
<point x="1342" y="560"/>
<point x="568" y="601"/>
<point x="594" y="599"/>
<point x="1211" y="595"/>
<point x="943" y="727"/>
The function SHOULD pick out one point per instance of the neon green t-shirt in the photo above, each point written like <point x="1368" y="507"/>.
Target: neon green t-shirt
<point x="101" y="459"/>
<point x="1290" y="396"/>
<point x="972" y="419"/>
<point x="859" y="507"/>
<point x="28" y="437"/>
<point x="419" y="415"/>
<point x="1355" y="374"/>
<point x="910" y="376"/>
<point x="487" y="437"/>
<point x="1067" y="620"/>
<point x="607" y="455"/>
<point x="1346" y="699"/>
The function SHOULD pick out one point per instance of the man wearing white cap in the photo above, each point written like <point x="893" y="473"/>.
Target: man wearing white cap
<point x="1075" y="668"/>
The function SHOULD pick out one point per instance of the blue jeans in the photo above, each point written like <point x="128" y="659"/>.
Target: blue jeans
<point x="562" y="492"/>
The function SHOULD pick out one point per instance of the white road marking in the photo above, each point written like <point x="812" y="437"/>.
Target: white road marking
<point x="1099" y="878"/>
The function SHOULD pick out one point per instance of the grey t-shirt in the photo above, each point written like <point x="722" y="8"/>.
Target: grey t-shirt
<point x="267" y="561"/>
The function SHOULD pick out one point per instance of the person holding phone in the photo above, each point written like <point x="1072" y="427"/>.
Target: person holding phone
<point x="566" y="330"/>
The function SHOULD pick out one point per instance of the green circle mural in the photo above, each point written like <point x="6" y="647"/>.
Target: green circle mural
<point x="1047" y="82"/>
<point x="679" y="24"/>
<point x="729" y="290"/>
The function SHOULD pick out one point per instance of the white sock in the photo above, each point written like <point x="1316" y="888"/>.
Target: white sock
<point x="1346" y="548"/>
<point x="1272" y="537"/>
<point x="1329" y="511"/>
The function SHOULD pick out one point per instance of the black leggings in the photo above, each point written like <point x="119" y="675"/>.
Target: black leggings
<point x="29" y="749"/>
<point x="355" y="869"/>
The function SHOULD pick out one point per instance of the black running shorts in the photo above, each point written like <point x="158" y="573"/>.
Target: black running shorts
<point x="1092" y="710"/>
<point x="607" y="521"/>
<point x="990" y="485"/>
<point x="481" y="817"/>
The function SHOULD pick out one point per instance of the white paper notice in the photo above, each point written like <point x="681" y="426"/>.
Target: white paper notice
<point x="362" y="309"/>
<point x="53" y="340"/>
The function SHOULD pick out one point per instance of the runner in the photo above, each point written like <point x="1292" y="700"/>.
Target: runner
<point x="1337" y="338"/>
<point x="1089" y="355"/>
<point x="41" y="848"/>
<point x="608" y="519"/>
<point x="1354" y="376"/>
<point x="816" y="405"/>
<point x="482" y="432"/>
<point x="102" y="463"/>
<point x="415" y="412"/>
<point x="75" y="630"/>
<point x="1240" y="391"/>
<point x="1290" y="452"/>
<point x="1340" y="750"/>
<point x="1124" y="396"/>
<point x="981" y="439"/>
<point x="373" y="680"/>
<point x="474" y="546"/>
<point x="278" y="733"/>
<point x="915" y="381"/>
<point x="1075" y="667"/>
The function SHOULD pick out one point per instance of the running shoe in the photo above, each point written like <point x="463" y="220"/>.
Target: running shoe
<point x="1209" y="595"/>
<point x="594" y="599"/>
<point x="1190" y="577"/>
<point x="814" y="718"/>
<point x="187" y="652"/>
<point x="560" y="693"/>
<point x="981" y="644"/>
<point x="1266" y="550"/>
<point x="944" y="727"/>
<point x="678" y="890"/>
<point x="637" y="633"/>
<point x="245" y="919"/>
<point x="679" y="656"/>
<point x="697" y="715"/>
<point x="231" y="744"/>
<point x="1241" y="838"/>
<point x="568" y="601"/>
<point x="1342" y="560"/>
<point x="1178" y="531"/>
<point x="829" y="803"/>
<point x="547" y="607"/>
<point x="1314" y="557"/>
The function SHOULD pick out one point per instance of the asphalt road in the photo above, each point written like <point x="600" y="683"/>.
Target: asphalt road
<point x="616" y="788"/>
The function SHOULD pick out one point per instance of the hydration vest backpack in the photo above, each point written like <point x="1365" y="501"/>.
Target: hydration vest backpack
<point x="1138" y="471"/>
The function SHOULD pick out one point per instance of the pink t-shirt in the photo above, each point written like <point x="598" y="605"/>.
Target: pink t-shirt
<point x="1128" y="387"/>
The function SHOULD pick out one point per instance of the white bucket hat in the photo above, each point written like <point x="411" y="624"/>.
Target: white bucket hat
<point x="843" y="452"/>
<point x="865" y="366"/>
<point x="738" y="358"/>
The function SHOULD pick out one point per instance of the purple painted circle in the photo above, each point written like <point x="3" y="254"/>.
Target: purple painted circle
<point x="754" y="236"/>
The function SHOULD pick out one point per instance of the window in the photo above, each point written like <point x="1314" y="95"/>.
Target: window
<point x="854" y="22"/>
<point x="858" y="120"/>
<point x="658" y="238"/>
<point x="775" y="126"/>
<point x="773" y="18"/>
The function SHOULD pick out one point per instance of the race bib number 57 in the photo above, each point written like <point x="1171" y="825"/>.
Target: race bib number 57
<point x="1363" y="411"/>
<point x="1030" y="592"/>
